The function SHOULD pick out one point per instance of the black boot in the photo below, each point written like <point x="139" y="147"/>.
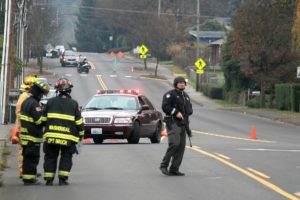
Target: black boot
<point x="176" y="173"/>
<point x="63" y="182"/>
<point x="164" y="170"/>
<point x="49" y="182"/>
<point x="33" y="182"/>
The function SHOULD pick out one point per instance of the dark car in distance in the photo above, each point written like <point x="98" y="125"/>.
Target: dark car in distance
<point x="121" y="114"/>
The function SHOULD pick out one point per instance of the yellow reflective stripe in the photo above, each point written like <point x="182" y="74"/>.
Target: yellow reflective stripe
<point x="24" y="130"/>
<point x="29" y="176"/>
<point x="43" y="118"/>
<point x="81" y="133"/>
<point x="63" y="173"/>
<point x="26" y="118"/>
<point x="31" y="138"/>
<point x="61" y="136"/>
<point x="79" y="122"/>
<point x="61" y="116"/>
<point x="24" y="143"/>
<point x="49" y="175"/>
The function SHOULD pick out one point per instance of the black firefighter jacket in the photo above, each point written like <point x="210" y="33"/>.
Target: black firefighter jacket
<point x="62" y="120"/>
<point x="31" y="129"/>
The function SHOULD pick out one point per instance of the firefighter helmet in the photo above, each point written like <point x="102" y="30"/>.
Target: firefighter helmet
<point x="29" y="81"/>
<point x="44" y="87"/>
<point x="178" y="79"/>
<point x="63" y="85"/>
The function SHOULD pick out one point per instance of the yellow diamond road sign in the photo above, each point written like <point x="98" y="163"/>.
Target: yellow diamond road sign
<point x="143" y="49"/>
<point x="200" y="63"/>
<point x="143" y="56"/>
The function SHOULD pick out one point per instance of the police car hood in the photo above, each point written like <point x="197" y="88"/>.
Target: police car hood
<point x="101" y="113"/>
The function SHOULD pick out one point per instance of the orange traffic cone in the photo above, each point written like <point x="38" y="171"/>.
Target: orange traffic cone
<point x="87" y="140"/>
<point x="164" y="133"/>
<point x="253" y="133"/>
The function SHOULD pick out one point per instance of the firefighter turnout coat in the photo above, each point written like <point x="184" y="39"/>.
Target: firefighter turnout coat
<point x="63" y="121"/>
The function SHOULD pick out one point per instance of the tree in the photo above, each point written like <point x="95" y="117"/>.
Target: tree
<point x="296" y="29"/>
<point x="212" y="25"/>
<point x="91" y="34"/>
<point x="41" y="29"/>
<point x="262" y="41"/>
<point x="235" y="80"/>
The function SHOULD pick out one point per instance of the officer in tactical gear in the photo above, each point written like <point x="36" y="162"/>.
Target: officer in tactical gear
<point x="177" y="107"/>
<point x="63" y="130"/>
<point x="31" y="132"/>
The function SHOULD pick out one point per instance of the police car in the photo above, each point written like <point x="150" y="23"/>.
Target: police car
<point x="121" y="114"/>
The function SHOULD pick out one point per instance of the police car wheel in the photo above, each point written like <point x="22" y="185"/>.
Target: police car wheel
<point x="98" y="140"/>
<point x="156" y="135"/>
<point x="135" y="134"/>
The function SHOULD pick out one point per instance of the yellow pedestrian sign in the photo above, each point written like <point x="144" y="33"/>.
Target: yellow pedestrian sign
<point x="143" y="56"/>
<point x="143" y="49"/>
<point x="200" y="71"/>
<point x="200" y="63"/>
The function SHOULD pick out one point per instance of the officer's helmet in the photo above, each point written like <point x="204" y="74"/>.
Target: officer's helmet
<point x="178" y="79"/>
<point x="44" y="87"/>
<point x="63" y="85"/>
<point x="29" y="81"/>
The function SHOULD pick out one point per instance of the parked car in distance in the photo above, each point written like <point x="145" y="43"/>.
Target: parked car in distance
<point x="70" y="58"/>
<point x="121" y="114"/>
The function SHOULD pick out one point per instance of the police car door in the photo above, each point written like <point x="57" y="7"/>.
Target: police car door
<point x="144" y="117"/>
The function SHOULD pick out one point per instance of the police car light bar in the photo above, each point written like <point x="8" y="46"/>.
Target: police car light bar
<point x="121" y="91"/>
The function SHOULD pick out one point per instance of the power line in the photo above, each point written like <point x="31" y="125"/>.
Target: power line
<point x="125" y="11"/>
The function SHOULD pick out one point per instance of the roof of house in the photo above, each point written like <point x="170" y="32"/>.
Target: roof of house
<point x="218" y="42"/>
<point x="209" y="34"/>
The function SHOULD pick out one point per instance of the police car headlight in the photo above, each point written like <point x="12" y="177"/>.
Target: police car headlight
<point x="123" y="120"/>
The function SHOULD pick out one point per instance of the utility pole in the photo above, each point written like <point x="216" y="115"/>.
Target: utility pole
<point x="198" y="42"/>
<point x="159" y="8"/>
<point x="4" y="63"/>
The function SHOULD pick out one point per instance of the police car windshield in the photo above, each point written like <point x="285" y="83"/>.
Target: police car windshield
<point x="112" y="102"/>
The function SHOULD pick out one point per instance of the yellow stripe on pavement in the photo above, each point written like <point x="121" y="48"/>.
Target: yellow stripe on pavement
<point x="223" y="156"/>
<point x="92" y="65"/>
<point x="247" y="173"/>
<point x="101" y="82"/>
<point x="297" y="194"/>
<point x="258" y="173"/>
<point x="230" y="137"/>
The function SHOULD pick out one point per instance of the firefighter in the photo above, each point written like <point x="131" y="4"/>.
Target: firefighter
<point x="26" y="86"/>
<point x="31" y="132"/>
<point x="177" y="107"/>
<point x="63" y="130"/>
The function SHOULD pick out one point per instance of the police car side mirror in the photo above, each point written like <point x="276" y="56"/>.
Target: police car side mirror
<point x="145" y="107"/>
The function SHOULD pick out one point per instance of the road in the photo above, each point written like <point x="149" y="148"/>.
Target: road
<point x="224" y="163"/>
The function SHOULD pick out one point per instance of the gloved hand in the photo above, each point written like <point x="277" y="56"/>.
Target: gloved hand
<point x="189" y="133"/>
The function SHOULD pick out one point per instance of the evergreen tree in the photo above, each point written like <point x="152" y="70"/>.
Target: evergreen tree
<point x="91" y="35"/>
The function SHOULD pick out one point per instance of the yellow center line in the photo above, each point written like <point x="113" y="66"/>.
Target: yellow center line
<point x="297" y="194"/>
<point x="230" y="137"/>
<point x="247" y="173"/>
<point x="92" y="65"/>
<point x="222" y="156"/>
<point x="101" y="82"/>
<point x="258" y="173"/>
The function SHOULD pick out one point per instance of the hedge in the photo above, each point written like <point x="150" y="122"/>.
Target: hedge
<point x="287" y="96"/>
<point x="213" y="91"/>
